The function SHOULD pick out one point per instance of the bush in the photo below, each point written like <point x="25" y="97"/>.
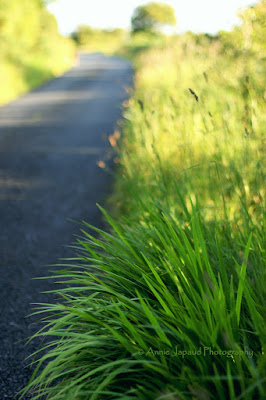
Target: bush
<point x="31" y="49"/>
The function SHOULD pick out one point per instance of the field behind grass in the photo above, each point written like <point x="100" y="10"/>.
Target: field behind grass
<point x="170" y="303"/>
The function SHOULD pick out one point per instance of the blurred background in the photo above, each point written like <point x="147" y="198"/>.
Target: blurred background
<point x="198" y="16"/>
<point x="39" y="39"/>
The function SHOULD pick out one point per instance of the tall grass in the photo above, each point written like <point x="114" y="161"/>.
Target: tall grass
<point x="170" y="304"/>
<point x="211" y="142"/>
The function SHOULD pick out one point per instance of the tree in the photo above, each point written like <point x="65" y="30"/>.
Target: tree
<point x="31" y="48"/>
<point x="152" y="17"/>
<point x="253" y="27"/>
<point x="19" y="25"/>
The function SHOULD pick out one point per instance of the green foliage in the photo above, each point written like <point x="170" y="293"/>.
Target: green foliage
<point x="152" y="17"/>
<point x="171" y="303"/>
<point x="140" y="42"/>
<point x="31" y="49"/>
<point x="158" y="309"/>
<point x="253" y="27"/>
<point x="250" y="36"/>
<point x="19" y="28"/>
<point x="93" y="39"/>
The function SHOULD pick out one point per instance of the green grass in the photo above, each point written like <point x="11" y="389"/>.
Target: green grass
<point x="170" y="303"/>
<point x="136" y="300"/>
<point x="213" y="147"/>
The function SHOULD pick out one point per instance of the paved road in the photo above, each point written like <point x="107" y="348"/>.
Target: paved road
<point x="50" y="142"/>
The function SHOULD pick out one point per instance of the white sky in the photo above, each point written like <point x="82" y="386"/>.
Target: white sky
<point x="195" y="15"/>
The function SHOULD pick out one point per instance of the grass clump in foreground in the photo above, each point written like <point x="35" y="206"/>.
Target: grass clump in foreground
<point x="159" y="310"/>
<point x="171" y="303"/>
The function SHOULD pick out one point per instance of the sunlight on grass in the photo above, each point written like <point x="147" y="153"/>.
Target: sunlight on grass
<point x="170" y="303"/>
<point x="193" y="124"/>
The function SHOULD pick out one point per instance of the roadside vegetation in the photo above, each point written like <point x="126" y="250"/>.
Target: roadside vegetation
<point x="107" y="41"/>
<point x="31" y="49"/>
<point x="169" y="304"/>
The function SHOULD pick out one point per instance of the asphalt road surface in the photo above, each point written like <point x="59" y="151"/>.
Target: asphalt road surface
<point x="50" y="142"/>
